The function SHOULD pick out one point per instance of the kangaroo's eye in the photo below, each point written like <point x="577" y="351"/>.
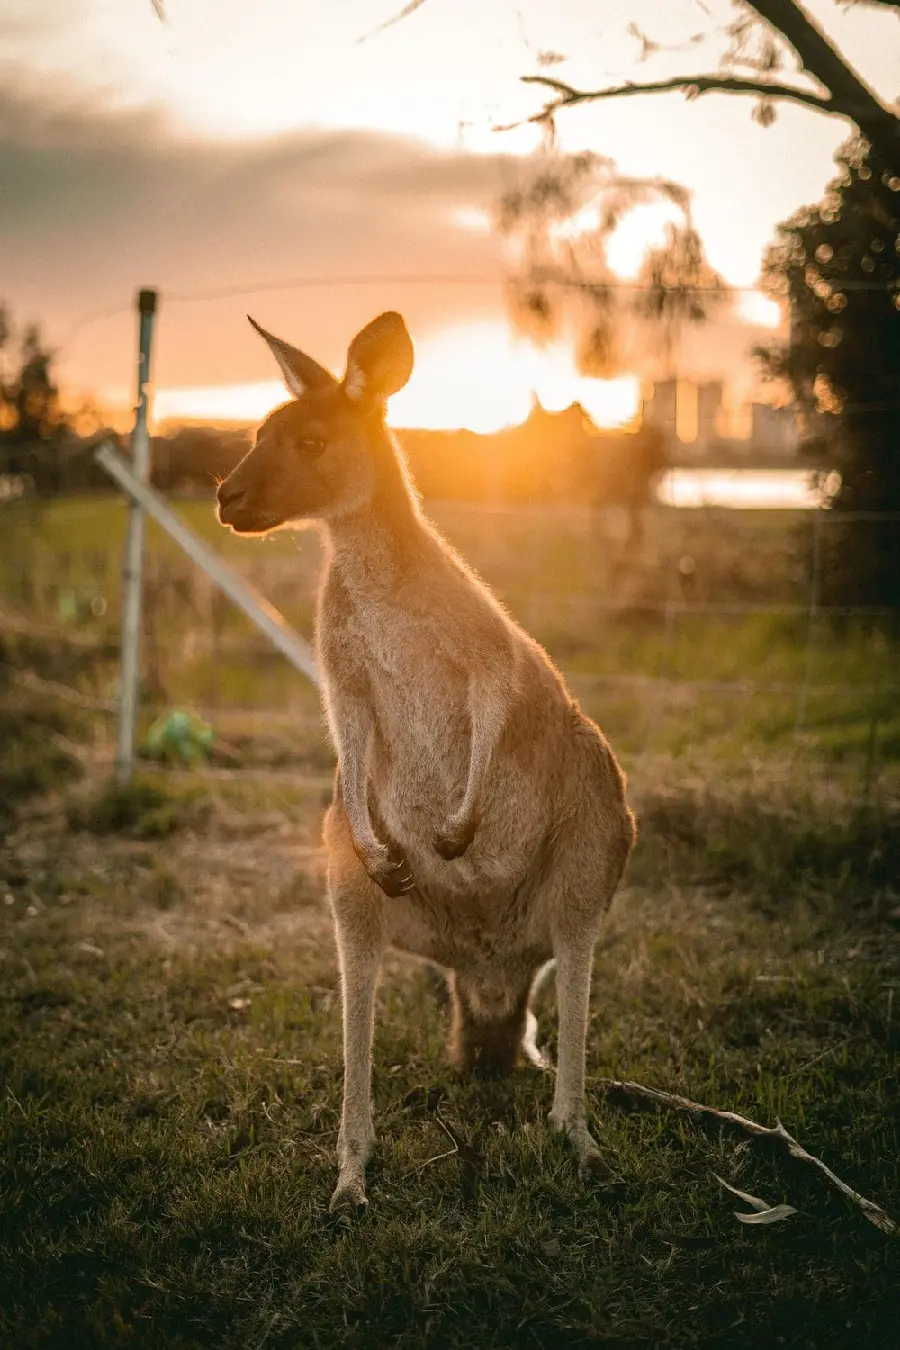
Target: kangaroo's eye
<point x="313" y="445"/>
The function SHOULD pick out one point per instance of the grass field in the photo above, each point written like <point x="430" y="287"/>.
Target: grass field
<point x="169" y="1015"/>
<point x="726" y="682"/>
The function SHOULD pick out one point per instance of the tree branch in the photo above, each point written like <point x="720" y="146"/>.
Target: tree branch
<point x="779" y="1137"/>
<point x="693" y="85"/>
<point x="851" y="97"/>
<point x="848" y="94"/>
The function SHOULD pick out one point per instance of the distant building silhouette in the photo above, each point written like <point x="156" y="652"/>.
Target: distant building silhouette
<point x="709" y="414"/>
<point x="692" y="419"/>
<point x="661" y="406"/>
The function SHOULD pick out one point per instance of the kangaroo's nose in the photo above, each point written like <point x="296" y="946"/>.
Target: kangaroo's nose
<point x="228" y="493"/>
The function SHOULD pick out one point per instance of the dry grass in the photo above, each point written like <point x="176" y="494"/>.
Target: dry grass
<point x="170" y="1048"/>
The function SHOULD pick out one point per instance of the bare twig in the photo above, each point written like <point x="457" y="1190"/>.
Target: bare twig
<point x="779" y="1137"/>
<point x="823" y="1054"/>
<point x="11" y="622"/>
<point x="848" y="95"/>
<point x="450" y="1152"/>
<point x="692" y="85"/>
<point x="402" y="14"/>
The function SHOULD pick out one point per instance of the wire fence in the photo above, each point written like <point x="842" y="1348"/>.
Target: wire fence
<point x="708" y="632"/>
<point x="663" y="673"/>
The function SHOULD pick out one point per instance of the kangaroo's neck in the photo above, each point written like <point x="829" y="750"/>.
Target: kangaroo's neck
<point x="375" y="548"/>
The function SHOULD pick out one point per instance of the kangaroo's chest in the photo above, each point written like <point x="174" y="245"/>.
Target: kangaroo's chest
<point x="417" y="692"/>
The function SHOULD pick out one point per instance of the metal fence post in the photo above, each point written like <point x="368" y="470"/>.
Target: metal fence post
<point x="134" y="554"/>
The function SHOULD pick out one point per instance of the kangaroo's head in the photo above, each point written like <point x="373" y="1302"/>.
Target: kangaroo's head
<point x="318" y="455"/>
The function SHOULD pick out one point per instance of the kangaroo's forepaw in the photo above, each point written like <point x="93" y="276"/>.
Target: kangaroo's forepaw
<point x="397" y="879"/>
<point x="388" y="868"/>
<point x="453" y="842"/>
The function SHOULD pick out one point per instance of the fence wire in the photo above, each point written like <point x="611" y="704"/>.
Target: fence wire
<point x="636" y="662"/>
<point x="655" y="653"/>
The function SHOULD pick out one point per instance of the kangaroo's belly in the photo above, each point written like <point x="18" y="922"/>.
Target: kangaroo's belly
<point x="468" y="931"/>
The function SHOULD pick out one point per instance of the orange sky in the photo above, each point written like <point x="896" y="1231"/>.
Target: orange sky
<point x="261" y="142"/>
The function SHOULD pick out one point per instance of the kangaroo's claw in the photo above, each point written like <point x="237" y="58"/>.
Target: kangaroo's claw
<point x="395" y="878"/>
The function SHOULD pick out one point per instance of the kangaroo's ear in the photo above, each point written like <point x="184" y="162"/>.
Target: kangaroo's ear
<point x="301" y="373"/>
<point x="380" y="360"/>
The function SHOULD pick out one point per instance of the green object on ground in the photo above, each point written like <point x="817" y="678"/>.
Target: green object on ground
<point x="180" y="735"/>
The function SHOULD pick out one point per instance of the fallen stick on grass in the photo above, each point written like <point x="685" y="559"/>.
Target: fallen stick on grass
<point x="786" y="1143"/>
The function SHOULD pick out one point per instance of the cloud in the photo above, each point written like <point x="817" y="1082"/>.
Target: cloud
<point x="97" y="201"/>
<point x="25" y="27"/>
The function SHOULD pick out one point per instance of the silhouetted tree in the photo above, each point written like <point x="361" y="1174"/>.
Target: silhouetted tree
<point x="31" y="419"/>
<point x="838" y="264"/>
<point x="764" y="39"/>
<point x="559" y="220"/>
<point x="43" y="447"/>
<point x="33" y="394"/>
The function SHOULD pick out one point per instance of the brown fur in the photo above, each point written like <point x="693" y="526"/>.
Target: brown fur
<point x="479" y="818"/>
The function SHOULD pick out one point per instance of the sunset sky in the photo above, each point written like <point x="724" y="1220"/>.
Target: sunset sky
<point x="244" y="143"/>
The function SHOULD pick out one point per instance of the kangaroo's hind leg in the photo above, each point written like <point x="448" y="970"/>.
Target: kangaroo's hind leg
<point x="574" y="962"/>
<point x="588" y="866"/>
<point x="357" y="905"/>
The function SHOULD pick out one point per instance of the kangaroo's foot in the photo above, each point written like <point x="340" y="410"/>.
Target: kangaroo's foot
<point x="349" y="1196"/>
<point x="574" y="1126"/>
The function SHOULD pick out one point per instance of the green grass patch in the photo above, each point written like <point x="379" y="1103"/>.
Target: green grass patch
<point x="38" y="733"/>
<point x="35" y="759"/>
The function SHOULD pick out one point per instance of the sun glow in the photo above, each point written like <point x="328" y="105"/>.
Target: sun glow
<point x="249" y="402"/>
<point x="477" y="376"/>
<point x="481" y="377"/>
<point x="758" y="309"/>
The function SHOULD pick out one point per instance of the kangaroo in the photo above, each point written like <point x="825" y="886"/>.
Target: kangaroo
<point x="479" y="818"/>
